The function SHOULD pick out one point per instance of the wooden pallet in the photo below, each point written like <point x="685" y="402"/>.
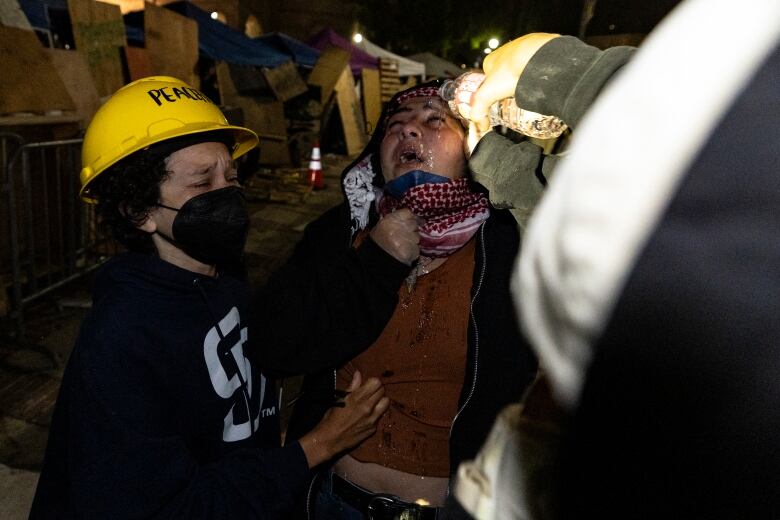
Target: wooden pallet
<point x="388" y="78"/>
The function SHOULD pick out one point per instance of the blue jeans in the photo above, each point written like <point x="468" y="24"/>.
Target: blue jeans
<point x="330" y="507"/>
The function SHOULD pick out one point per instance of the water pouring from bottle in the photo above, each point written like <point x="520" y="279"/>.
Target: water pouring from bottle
<point x="458" y="94"/>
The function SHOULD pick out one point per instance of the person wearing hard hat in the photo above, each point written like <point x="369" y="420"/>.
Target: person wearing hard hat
<point x="160" y="414"/>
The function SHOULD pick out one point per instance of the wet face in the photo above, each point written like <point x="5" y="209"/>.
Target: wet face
<point x="422" y="134"/>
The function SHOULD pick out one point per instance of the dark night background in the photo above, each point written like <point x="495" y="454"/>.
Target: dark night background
<point x="459" y="29"/>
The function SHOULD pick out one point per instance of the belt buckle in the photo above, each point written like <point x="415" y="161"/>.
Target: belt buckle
<point x="380" y="505"/>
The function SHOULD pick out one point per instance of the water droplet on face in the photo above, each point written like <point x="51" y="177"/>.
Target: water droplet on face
<point x="441" y="121"/>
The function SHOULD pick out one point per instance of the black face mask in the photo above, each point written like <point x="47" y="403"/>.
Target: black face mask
<point x="212" y="227"/>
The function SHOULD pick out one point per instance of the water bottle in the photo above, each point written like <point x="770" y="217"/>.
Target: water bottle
<point x="458" y="92"/>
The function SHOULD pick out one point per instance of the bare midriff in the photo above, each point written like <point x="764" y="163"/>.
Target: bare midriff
<point x="406" y="486"/>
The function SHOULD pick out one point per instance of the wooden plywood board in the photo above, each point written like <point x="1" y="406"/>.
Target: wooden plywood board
<point x="74" y="73"/>
<point x="128" y="6"/>
<point x="328" y="69"/>
<point x="29" y="82"/>
<point x="268" y="118"/>
<point x="273" y="150"/>
<point x="285" y="81"/>
<point x="172" y="43"/>
<point x="372" y="98"/>
<point x="68" y="120"/>
<point x="351" y="113"/>
<point x="227" y="89"/>
<point x="138" y="63"/>
<point x="409" y="83"/>
<point x="265" y="119"/>
<point x="99" y="31"/>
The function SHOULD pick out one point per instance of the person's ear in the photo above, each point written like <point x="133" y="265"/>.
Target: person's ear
<point x="145" y="223"/>
<point x="148" y="224"/>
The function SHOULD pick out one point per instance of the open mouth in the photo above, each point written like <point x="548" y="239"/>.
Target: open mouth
<point x="410" y="155"/>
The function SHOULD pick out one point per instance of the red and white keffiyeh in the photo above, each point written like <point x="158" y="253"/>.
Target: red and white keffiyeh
<point x="451" y="211"/>
<point x="422" y="91"/>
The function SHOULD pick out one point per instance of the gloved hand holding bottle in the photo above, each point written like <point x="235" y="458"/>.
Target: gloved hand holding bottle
<point x="474" y="100"/>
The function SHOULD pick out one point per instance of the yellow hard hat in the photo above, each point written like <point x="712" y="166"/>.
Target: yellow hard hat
<point x="149" y="111"/>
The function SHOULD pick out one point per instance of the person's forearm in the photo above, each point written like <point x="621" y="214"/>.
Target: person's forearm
<point x="566" y="75"/>
<point x="316" y="452"/>
<point x="509" y="171"/>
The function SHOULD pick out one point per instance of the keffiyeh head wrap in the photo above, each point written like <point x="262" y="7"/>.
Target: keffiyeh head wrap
<point x="459" y="211"/>
<point x="360" y="192"/>
<point x="421" y="91"/>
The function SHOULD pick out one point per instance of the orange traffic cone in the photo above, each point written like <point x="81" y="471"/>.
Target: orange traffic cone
<point x="316" y="180"/>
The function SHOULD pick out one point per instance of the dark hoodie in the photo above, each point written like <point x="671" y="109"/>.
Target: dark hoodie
<point x="152" y="417"/>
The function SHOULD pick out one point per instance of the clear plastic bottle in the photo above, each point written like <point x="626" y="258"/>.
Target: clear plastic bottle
<point x="458" y="92"/>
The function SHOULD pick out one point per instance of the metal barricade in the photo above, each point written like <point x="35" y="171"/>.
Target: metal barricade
<point x="52" y="237"/>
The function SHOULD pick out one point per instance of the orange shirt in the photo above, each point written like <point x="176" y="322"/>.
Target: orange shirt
<point x="420" y="358"/>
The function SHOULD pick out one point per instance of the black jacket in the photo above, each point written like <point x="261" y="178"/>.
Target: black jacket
<point x="500" y="363"/>
<point x="327" y="303"/>
<point x="152" y="417"/>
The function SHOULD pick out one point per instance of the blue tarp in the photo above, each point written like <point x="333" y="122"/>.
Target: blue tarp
<point x="215" y="39"/>
<point x="302" y="54"/>
<point x="36" y="11"/>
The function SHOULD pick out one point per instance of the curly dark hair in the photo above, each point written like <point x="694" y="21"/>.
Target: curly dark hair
<point x="130" y="189"/>
<point x="126" y="193"/>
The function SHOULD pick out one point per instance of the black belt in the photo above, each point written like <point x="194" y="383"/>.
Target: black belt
<point x="379" y="506"/>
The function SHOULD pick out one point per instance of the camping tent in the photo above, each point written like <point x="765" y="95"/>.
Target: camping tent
<point x="436" y="67"/>
<point x="358" y="59"/>
<point x="406" y="67"/>
<point x="215" y="39"/>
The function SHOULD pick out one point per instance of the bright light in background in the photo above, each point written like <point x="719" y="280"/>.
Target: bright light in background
<point x="487" y="50"/>
<point x="493" y="43"/>
<point x="358" y="38"/>
<point x="214" y="15"/>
